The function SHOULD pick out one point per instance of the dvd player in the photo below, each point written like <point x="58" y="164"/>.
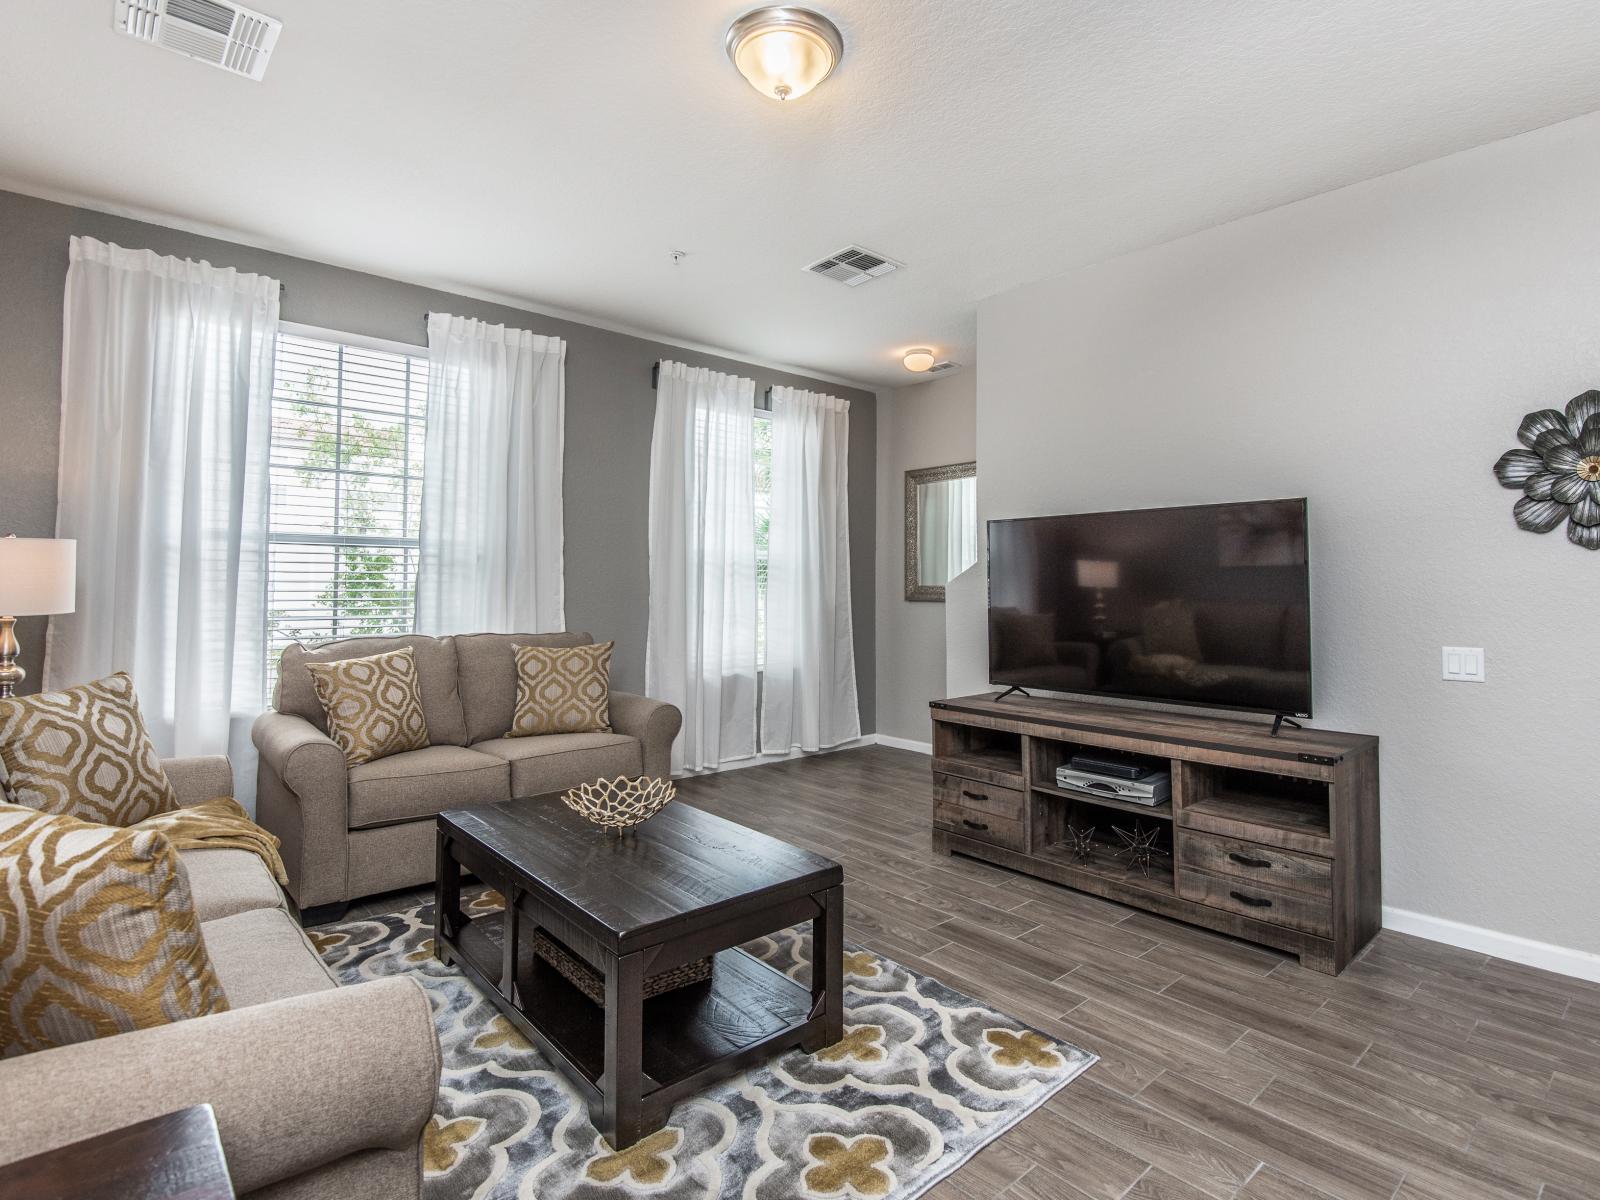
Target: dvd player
<point x="1112" y="766"/>
<point x="1155" y="788"/>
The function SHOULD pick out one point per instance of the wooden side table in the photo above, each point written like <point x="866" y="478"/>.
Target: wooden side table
<point x="177" y="1156"/>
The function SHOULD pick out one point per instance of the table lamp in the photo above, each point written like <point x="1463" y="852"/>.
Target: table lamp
<point x="1098" y="574"/>
<point x="38" y="577"/>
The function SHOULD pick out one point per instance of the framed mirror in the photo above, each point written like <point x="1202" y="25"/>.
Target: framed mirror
<point x="941" y="527"/>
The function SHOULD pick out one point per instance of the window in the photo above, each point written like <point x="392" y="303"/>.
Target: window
<point x="763" y="508"/>
<point x="348" y="427"/>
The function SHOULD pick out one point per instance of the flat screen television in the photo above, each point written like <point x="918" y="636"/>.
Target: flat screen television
<point x="1208" y="604"/>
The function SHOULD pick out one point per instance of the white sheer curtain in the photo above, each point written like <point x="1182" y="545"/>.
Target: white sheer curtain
<point x="809" y="689"/>
<point x="166" y="409"/>
<point x="701" y="652"/>
<point x="491" y="531"/>
<point x="947" y="527"/>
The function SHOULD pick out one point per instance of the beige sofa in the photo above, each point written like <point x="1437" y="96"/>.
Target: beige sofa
<point x="356" y="831"/>
<point x="321" y="1092"/>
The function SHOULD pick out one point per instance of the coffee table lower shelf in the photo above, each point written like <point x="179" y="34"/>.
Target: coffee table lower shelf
<point x="742" y="1015"/>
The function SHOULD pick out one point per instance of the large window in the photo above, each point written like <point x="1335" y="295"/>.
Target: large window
<point x="348" y="427"/>
<point x="763" y="508"/>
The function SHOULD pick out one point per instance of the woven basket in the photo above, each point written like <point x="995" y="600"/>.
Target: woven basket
<point x="593" y="984"/>
<point x="621" y="802"/>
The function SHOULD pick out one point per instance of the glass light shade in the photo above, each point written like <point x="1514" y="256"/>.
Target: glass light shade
<point x="38" y="576"/>
<point x="784" y="52"/>
<point x="1097" y="573"/>
<point x="918" y="360"/>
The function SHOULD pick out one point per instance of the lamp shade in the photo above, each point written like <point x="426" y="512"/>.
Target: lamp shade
<point x="38" y="576"/>
<point x="1097" y="573"/>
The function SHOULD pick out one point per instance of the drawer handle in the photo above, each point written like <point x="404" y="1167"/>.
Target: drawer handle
<point x="1252" y="901"/>
<point x="1244" y="860"/>
<point x="975" y="825"/>
<point x="974" y="795"/>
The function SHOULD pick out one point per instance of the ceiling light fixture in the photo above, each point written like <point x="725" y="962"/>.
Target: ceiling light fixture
<point x="784" y="52"/>
<point x="918" y="360"/>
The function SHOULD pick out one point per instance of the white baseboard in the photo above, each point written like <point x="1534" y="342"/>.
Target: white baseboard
<point x="883" y="739"/>
<point x="761" y="760"/>
<point x="1580" y="964"/>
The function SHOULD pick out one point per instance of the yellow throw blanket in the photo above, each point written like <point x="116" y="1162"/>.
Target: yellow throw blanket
<point x="218" y="825"/>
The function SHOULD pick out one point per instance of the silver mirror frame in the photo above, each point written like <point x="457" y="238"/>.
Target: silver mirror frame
<point x="915" y="590"/>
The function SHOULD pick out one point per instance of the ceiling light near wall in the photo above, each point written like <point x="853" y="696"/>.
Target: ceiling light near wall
<point x="919" y="360"/>
<point x="784" y="52"/>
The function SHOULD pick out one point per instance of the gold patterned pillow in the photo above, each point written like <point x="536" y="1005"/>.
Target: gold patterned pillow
<point x="84" y="753"/>
<point x="98" y="935"/>
<point x="374" y="705"/>
<point x="562" y="689"/>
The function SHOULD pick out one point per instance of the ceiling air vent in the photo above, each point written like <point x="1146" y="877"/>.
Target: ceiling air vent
<point x="238" y="40"/>
<point x="853" y="266"/>
<point x="942" y="366"/>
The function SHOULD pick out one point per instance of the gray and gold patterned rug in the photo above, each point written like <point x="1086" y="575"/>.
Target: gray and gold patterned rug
<point x="924" y="1078"/>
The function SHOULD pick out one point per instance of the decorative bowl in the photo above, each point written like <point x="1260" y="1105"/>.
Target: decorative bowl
<point x="620" y="803"/>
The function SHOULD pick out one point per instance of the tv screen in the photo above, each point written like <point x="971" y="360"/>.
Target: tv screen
<point x="1208" y="604"/>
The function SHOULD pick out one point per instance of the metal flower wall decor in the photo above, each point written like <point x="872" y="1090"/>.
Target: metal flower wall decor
<point x="1559" y="472"/>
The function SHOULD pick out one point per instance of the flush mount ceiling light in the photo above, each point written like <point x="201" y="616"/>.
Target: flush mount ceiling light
<point x="919" y="360"/>
<point x="784" y="52"/>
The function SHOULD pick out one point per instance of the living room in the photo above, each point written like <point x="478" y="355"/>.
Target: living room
<point x="881" y="600"/>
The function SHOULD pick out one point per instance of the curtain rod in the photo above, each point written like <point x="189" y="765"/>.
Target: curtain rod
<point x="655" y="382"/>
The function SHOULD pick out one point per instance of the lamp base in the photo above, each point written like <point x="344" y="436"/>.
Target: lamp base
<point x="10" y="674"/>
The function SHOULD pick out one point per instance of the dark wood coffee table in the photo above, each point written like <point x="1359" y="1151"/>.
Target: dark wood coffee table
<point x="682" y="886"/>
<point x="176" y="1156"/>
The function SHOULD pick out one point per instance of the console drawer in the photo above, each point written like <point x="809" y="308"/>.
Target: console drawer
<point x="978" y="825"/>
<point x="1262" y="902"/>
<point x="989" y="798"/>
<point x="1250" y="861"/>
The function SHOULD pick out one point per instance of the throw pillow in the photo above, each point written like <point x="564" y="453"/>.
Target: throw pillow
<point x="99" y="935"/>
<point x="374" y="705"/>
<point x="1168" y="628"/>
<point x="84" y="753"/>
<point x="562" y="689"/>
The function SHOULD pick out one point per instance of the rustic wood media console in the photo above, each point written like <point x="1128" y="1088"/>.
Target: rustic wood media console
<point x="1273" y="839"/>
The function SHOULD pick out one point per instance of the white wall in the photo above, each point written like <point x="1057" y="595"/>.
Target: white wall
<point x="926" y="425"/>
<point x="1373" y="349"/>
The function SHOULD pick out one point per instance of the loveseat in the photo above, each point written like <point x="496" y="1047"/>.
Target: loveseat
<point x="320" y="1092"/>
<point x="356" y="831"/>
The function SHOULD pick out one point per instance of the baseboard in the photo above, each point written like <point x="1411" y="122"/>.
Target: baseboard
<point x="883" y="739"/>
<point x="762" y="760"/>
<point x="1580" y="964"/>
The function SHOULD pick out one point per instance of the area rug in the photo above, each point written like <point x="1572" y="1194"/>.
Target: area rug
<point x="924" y="1078"/>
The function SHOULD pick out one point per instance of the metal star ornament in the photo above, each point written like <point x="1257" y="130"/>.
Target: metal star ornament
<point x="1139" y="846"/>
<point x="1080" y="843"/>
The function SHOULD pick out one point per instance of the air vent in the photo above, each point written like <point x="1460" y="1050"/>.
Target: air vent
<point x="943" y="365"/>
<point x="853" y="266"/>
<point x="235" y="39"/>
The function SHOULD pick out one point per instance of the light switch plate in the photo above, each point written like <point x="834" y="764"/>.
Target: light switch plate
<point x="1463" y="664"/>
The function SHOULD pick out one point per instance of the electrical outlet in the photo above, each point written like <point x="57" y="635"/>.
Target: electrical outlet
<point x="1463" y="664"/>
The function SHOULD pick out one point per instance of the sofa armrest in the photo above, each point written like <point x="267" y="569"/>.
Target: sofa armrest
<point x="197" y="780"/>
<point x="654" y="722"/>
<point x="303" y="796"/>
<point x="296" y="1083"/>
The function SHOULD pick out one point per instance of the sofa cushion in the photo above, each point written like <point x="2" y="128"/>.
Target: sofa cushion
<point x="553" y="762"/>
<point x="373" y="704"/>
<point x="419" y="783"/>
<point x="436" y="676"/>
<point x="99" y="934"/>
<point x="488" y="673"/>
<point x="262" y="955"/>
<point x="226" y="882"/>
<point x="84" y="752"/>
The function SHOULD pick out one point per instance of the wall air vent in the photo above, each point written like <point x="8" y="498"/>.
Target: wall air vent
<point x="235" y="39"/>
<point x="853" y="266"/>
<point x="943" y="366"/>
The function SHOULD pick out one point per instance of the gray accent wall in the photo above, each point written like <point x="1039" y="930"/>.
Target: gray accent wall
<point x="610" y="413"/>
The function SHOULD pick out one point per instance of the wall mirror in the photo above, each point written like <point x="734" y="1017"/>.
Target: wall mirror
<point x="941" y="527"/>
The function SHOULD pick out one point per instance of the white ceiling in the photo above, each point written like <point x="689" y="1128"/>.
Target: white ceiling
<point x="556" y="152"/>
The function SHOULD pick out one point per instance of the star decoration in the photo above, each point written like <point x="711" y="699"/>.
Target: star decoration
<point x="1140" y="846"/>
<point x="1080" y="843"/>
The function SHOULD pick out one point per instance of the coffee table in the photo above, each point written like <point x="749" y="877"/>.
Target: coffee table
<point x="683" y="886"/>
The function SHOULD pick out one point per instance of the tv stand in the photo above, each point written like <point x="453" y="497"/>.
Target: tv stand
<point x="1013" y="689"/>
<point x="1269" y="837"/>
<point x="1279" y="721"/>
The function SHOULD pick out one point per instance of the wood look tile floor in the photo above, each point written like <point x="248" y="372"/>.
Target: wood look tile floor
<point x="1422" y="1072"/>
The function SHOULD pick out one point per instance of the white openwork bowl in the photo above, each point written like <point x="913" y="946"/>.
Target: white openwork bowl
<point x="621" y="802"/>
